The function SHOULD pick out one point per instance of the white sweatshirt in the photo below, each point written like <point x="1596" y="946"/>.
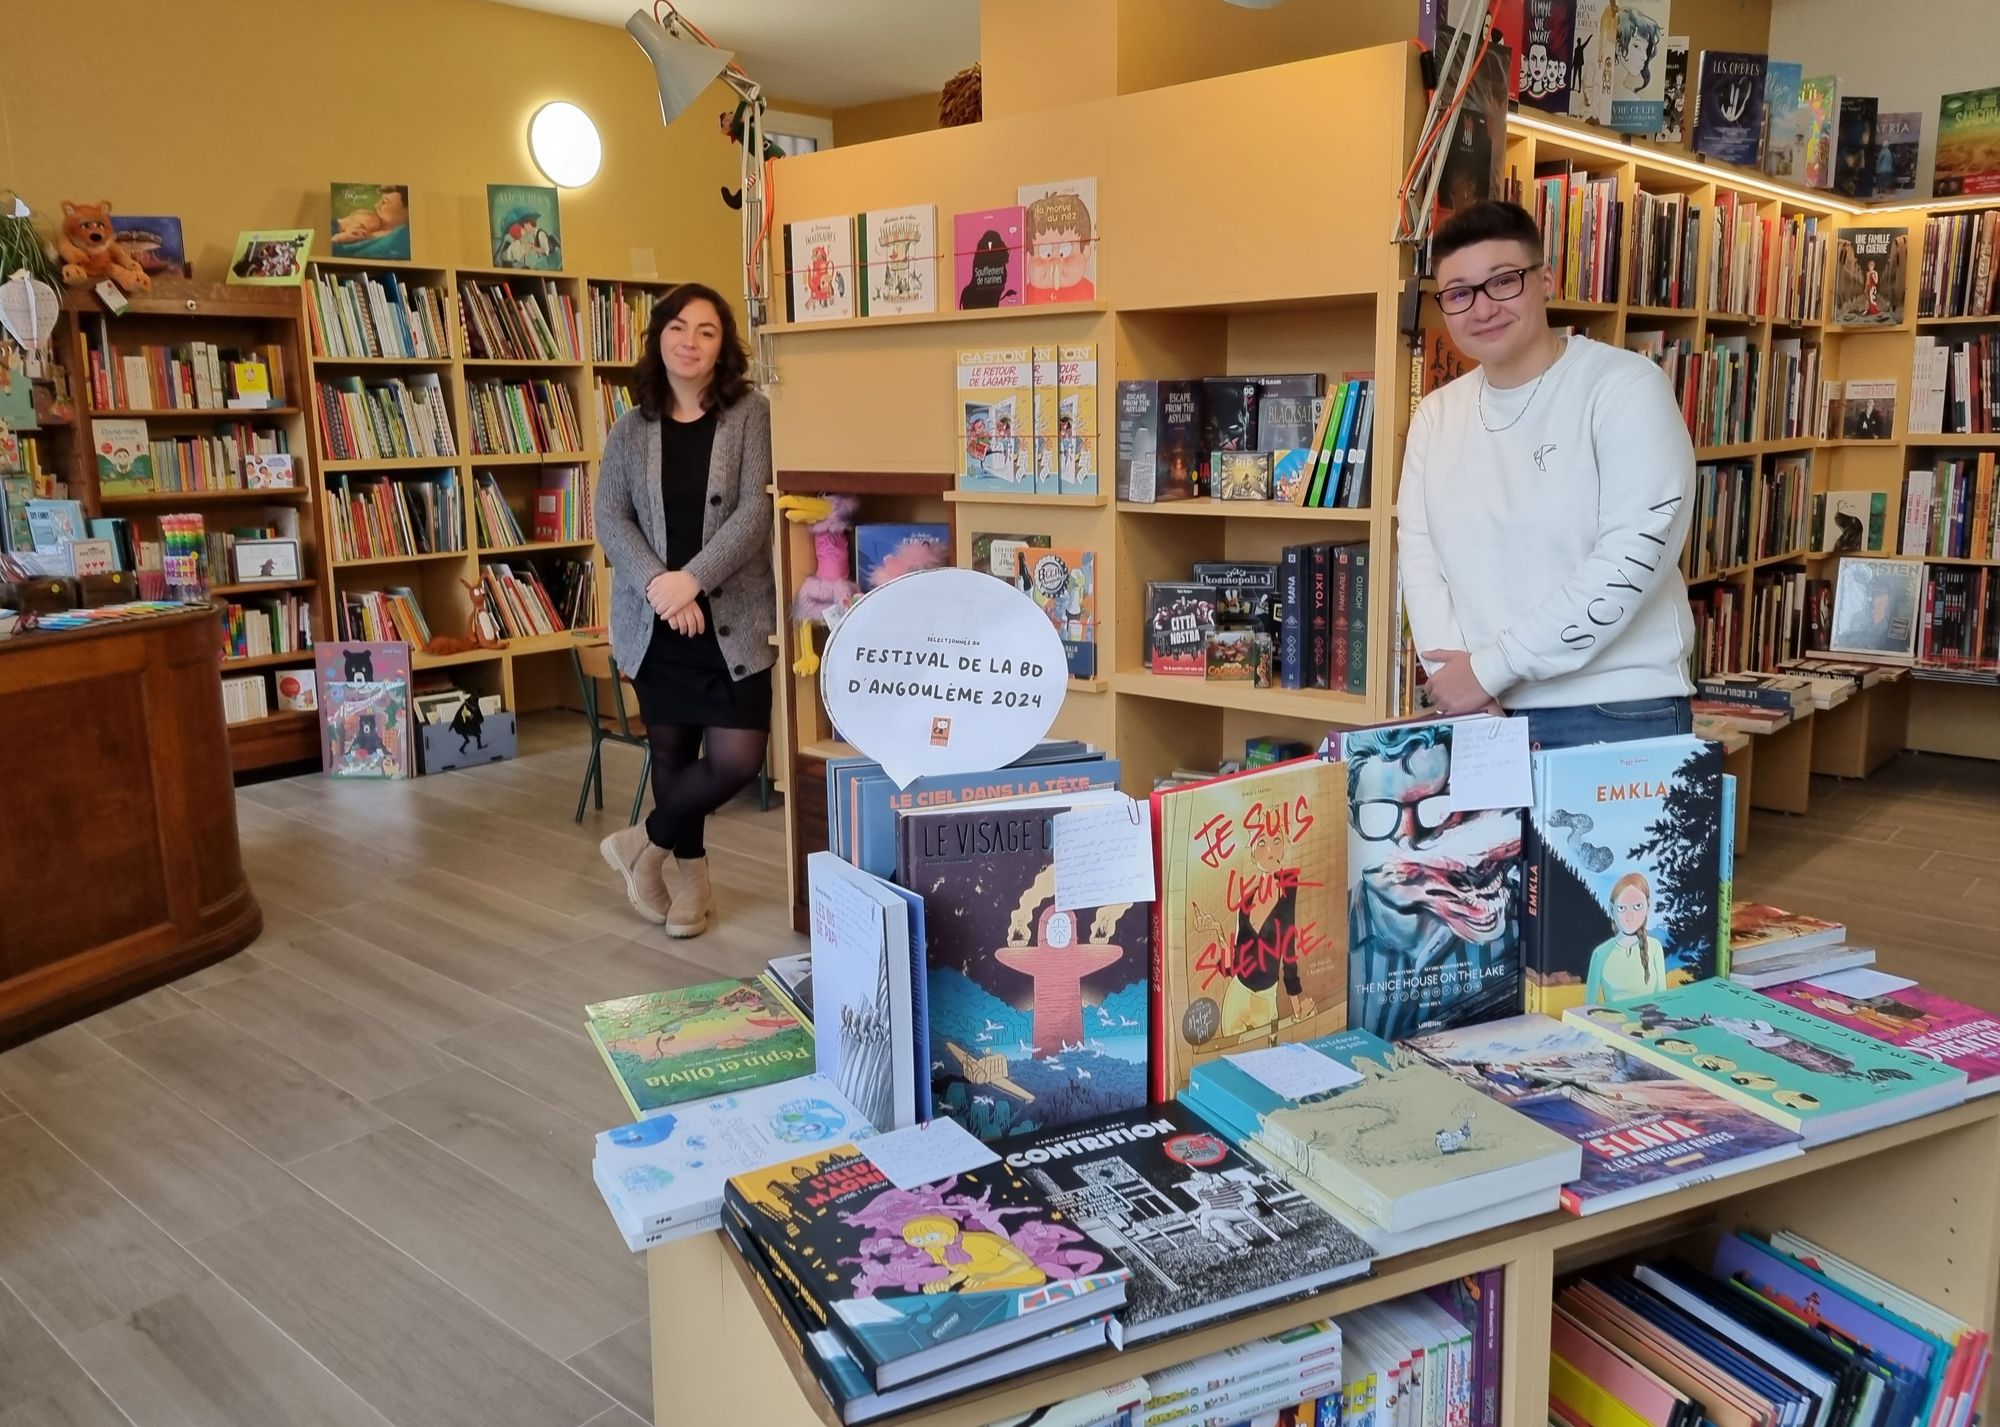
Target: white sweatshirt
<point x="1550" y="548"/>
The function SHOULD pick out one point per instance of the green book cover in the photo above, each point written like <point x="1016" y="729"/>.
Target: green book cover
<point x="668" y="1046"/>
<point x="124" y="456"/>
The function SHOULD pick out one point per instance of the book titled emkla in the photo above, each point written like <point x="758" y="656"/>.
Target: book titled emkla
<point x="668" y="1046"/>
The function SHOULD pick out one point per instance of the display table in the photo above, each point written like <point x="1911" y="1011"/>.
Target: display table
<point x="1855" y="738"/>
<point x="1916" y="1202"/>
<point x="1783" y="760"/>
<point x="119" y="845"/>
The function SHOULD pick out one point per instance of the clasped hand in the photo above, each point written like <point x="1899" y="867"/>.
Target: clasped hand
<point x="672" y="594"/>
<point x="1454" y="688"/>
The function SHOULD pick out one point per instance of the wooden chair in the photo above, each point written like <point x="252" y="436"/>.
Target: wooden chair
<point x="593" y="664"/>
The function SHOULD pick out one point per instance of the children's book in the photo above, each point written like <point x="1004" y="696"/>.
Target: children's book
<point x="1810" y="1075"/>
<point x="995" y="416"/>
<point x="1076" y="419"/>
<point x="1624" y="869"/>
<point x="665" y="1047"/>
<point x="124" y="455"/>
<point x="153" y="240"/>
<point x="1642" y="1130"/>
<point x="662" y="1177"/>
<point x="1060" y="239"/>
<point x="1784" y="122"/>
<point x="1064" y="584"/>
<point x="1249" y="930"/>
<point x="918" y="1280"/>
<point x="819" y="269"/>
<point x="1819" y="101"/>
<point x="884" y="552"/>
<point x="367" y="730"/>
<point x="1037" y="1013"/>
<point x="863" y="1036"/>
<point x="1434" y="897"/>
<point x="986" y="258"/>
<point x="370" y="220"/>
<point x="1207" y="1232"/>
<point x="1914" y="1019"/>
<point x="1179" y="616"/>
<point x="899" y="251"/>
<point x="347" y="661"/>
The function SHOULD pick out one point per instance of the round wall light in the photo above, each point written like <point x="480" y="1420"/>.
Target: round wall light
<point x="565" y="144"/>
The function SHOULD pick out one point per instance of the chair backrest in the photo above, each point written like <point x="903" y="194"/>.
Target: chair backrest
<point x="593" y="658"/>
<point x="594" y="664"/>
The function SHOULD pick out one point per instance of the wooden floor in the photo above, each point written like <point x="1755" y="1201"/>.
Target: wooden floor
<point x="343" y="1179"/>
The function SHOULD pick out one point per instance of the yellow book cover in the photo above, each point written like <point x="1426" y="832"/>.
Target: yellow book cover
<point x="995" y="420"/>
<point x="1046" y="453"/>
<point x="1076" y="419"/>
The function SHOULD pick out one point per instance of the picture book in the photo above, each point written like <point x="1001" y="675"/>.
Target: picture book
<point x="1821" y="1079"/>
<point x="884" y="552"/>
<point x="1639" y="68"/>
<point x="124" y="455"/>
<point x="1208" y="1232"/>
<point x="1784" y="121"/>
<point x="270" y="258"/>
<point x="1159" y="439"/>
<point x="1076" y="419"/>
<point x="1729" y="106"/>
<point x="819" y="269"/>
<point x="863" y="1027"/>
<point x="667" y="1172"/>
<point x="297" y="690"/>
<point x="1241" y="475"/>
<point x="898" y="248"/>
<point x="1897" y="139"/>
<point x="1434" y="897"/>
<point x="1854" y="147"/>
<point x="1624" y="871"/>
<point x="1037" y="1014"/>
<point x="1546" y="48"/>
<point x="665" y="1047"/>
<point x="524" y="225"/>
<point x="1757" y="930"/>
<point x="1673" y="105"/>
<point x="1875" y="608"/>
<point x="1250" y="933"/>
<point x="987" y="258"/>
<point x="1179" y="616"/>
<point x="1819" y="102"/>
<point x="1642" y="1130"/>
<point x="1059" y="240"/>
<point x="1044" y="455"/>
<point x="1855" y="521"/>
<point x="1063" y="583"/>
<point x="1868" y="276"/>
<point x="995" y="419"/>
<point x="994" y="553"/>
<point x="367" y="730"/>
<point x="1967" y="158"/>
<point x="914" y="1280"/>
<point x="153" y="240"/>
<point x="1913" y="1019"/>
<point x="370" y="220"/>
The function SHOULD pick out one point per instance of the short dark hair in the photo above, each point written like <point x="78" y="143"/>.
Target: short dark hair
<point x="731" y="379"/>
<point x="1482" y="223"/>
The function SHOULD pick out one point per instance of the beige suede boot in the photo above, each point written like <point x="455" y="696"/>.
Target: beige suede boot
<point x="633" y="857"/>
<point x="691" y="897"/>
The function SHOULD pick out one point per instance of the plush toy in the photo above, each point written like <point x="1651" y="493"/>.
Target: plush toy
<point x="475" y="637"/>
<point x="828" y="590"/>
<point x="90" y="251"/>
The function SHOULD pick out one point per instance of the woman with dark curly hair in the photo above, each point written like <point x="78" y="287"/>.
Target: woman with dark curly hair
<point x="685" y="520"/>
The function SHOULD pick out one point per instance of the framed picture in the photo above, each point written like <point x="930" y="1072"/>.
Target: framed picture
<point x="1875" y="608"/>
<point x="371" y="220"/>
<point x="269" y="473"/>
<point x="525" y="226"/>
<point x="273" y="257"/>
<point x="154" y="241"/>
<point x="266" y="560"/>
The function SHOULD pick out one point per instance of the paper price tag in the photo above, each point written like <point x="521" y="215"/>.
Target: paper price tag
<point x="1489" y="765"/>
<point x="1294" y="1071"/>
<point x="925" y="1154"/>
<point x="1104" y="855"/>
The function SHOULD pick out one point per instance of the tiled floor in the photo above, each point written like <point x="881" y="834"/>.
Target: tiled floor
<point x="343" y="1179"/>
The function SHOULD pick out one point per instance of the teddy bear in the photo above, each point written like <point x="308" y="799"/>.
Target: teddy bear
<point x="90" y="251"/>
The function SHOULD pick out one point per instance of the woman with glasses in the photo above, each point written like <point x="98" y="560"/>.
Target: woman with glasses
<point x="1544" y="501"/>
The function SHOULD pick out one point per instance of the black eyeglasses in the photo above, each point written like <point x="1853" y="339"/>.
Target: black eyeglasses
<point x="1377" y="819"/>
<point x="1501" y="287"/>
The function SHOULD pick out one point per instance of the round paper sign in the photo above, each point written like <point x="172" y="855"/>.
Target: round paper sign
<point x="944" y="671"/>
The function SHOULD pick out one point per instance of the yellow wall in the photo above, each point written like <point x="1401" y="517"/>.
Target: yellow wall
<point x="434" y="93"/>
<point x="1162" y="42"/>
<point x="885" y="119"/>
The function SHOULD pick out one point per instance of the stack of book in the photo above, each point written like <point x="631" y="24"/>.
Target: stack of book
<point x="394" y="516"/>
<point x="618" y="318"/>
<point x="1286" y="1370"/>
<point x="384" y="617"/>
<point x="1828" y="691"/>
<point x="1769" y="946"/>
<point x="1769" y="699"/>
<point x="1897" y="1011"/>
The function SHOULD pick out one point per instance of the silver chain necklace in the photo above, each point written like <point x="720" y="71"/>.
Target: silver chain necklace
<point x="1480" y="401"/>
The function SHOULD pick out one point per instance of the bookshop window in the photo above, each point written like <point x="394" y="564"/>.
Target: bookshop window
<point x="798" y="133"/>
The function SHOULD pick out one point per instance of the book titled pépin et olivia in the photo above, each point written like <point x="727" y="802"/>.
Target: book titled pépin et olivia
<point x="668" y="1046"/>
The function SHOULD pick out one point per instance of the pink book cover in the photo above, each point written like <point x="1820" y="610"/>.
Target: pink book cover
<point x="1952" y="1032"/>
<point x="1614" y="1371"/>
<point x="986" y="257"/>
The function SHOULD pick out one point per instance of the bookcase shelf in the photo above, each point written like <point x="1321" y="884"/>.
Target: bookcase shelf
<point x="259" y="587"/>
<point x="1321" y="704"/>
<point x="393" y="463"/>
<point x="421" y="660"/>
<point x="458" y="555"/>
<point x="533" y="547"/>
<point x="539" y="363"/>
<point x="528" y="458"/>
<point x="419" y="362"/>
<point x="926" y="319"/>
<point x="266" y="661"/>
<point x="1984" y="319"/>
<point x="152" y="499"/>
<point x="194" y="413"/>
<point x="1247" y="510"/>
<point x="1009" y="498"/>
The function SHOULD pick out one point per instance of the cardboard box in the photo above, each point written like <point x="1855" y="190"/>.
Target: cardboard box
<point x="444" y="750"/>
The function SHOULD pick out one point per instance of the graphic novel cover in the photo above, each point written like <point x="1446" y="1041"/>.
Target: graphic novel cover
<point x="883" y="552"/>
<point x="1912" y="1019"/>
<point x="1868" y="270"/>
<point x="863" y="1034"/>
<point x="1624" y="869"/>
<point x="1642" y="1130"/>
<point x="1205" y="1231"/>
<point x="1784" y="122"/>
<point x="1063" y="583"/>
<point x="900" y="1272"/>
<point x="993" y="552"/>
<point x="898" y="251"/>
<point x="1757" y="930"/>
<point x="1248" y="923"/>
<point x="1819" y="101"/>
<point x="1472" y="161"/>
<point x="1433" y="896"/>
<point x="819" y="269"/>
<point x="664" y="1047"/>
<point x="986" y="250"/>
<point x="1897" y="139"/>
<point x="1179" y="616"/>
<point x="1968" y="144"/>
<point x="1037" y="1016"/>
<point x="524" y="224"/>
<point x="1076" y="419"/>
<point x="1059" y="239"/>
<point x="370" y="220"/>
<point x="1045" y="457"/>
<point x="1673" y="106"/>
<point x="996" y="418"/>
<point x="1729" y="106"/>
<point x="1546" y="51"/>
<point x="1639" y="67"/>
<point x="1854" y="154"/>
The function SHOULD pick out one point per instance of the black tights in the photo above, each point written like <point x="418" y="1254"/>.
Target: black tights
<point x="690" y="782"/>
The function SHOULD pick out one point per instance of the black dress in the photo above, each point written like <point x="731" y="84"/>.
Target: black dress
<point x="683" y="680"/>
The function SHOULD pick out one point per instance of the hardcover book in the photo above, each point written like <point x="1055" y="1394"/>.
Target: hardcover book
<point x="1784" y="122"/>
<point x="1434" y="897"/>
<point x="1868" y="276"/>
<point x="884" y="552"/>
<point x="864" y="1036"/>
<point x="916" y="1280"/>
<point x="819" y="269"/>
<point x="367" y="730"/>
<point x="1642" y="1130"/>
<point x="1063" y="583"/>
<point x="996" y="419"/>
<point x="1624" y="871"/>
<point x="1810" y="1075"/>
<point x="899" y="251"/>
<point x="1913" y="1019"/>
<point x="995" y="553"/>
<point x="1819" y="98"/>
<point x="1639" y="68"/>
<point x="370" y="220"/>
<point x="1758" y="930"/>
<point x="1868" y="411"/>
<point x="1854" y="154"/>
<point x="1729" y="106"/>
<point x="1059" y="234"/>
<point x="1248" y="926"/>
<point x="664" y="1047"/>
<point x="1076" y="419"/>
<point x="986" y="249"/>
<point x="1159" y="449"/>
<point x="124" y="455"/>
<point x="1967" y="159"/>
<point x="1037" y="1014"/>
<point x="1897" y="140"/>
<point x="1546" y="46"/>
<point x="1206" y="1231"/>
<point x="1179" y="617"/>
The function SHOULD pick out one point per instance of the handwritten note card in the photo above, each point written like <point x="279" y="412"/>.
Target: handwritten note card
<point x="1294" y="1071"/>
<point x="1489" y="765"/>
<point x="1862" y="982"/>
<point x="925" y="1154"/>
<point x="1104" y="854"/>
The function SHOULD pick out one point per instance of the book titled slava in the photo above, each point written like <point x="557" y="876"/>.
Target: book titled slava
<point x="668" y="1046"/>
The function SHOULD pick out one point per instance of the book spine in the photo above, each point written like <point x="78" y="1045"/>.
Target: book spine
<point x="1490" y="1359"/>
<point x="1357" y="631"/>
<point x="1291" y="629"/>
<point x="1534" y="872"/>
<point x="1319" y="650"/>
<point x="1343" y="588"/>
<point x="789" y="1316"/>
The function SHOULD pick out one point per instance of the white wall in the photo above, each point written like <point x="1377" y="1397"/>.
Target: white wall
<point x="1904" y="54"/>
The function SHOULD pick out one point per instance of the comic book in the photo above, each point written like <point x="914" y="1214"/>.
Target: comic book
<point x="1819" y="103"/>
<point x="1044" y="453"/>
<point x="1729" y="106"/>
<point x="883" y="552"/>
<point x="1968" y="144"/>
<point x="1064" y="584"/>
<point x="863" y="1016"/>
<point x="1784" y="121"/>
<point x="1546" y="50"/>
<point x="994" y="552"/>
<point x="664" y="1047"/>
<point x="1868" y="277"/>
<point x="916" y="1280"/>
<point x="1758" y="930"/>
<point x="1642" y="1131"/>
<point x="1854" y="153"/>
<point x="1433" y="896"/>
<point x="1059" y="239"/>
<point x="1624" y="871"/>
<point x="819" y="269"/>
<point x="1206" y="1231"/>
<point x="898" y="248"/>
<point x="1076" y="418"/>
<point x="995" y="416"/>
<point x="1037" y="1015"/>
<point x="367" y="730"/>
<point x="1917" y="1020"/>
<point x="1639" y="68"/>
<point x="986" y="257"/>
<point x="1248" y="932"/>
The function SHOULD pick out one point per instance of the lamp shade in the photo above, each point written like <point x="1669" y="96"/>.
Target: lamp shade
<point x="682" y="68"/>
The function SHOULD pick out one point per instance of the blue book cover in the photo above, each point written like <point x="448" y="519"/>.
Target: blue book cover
<point x="870" y="800"/>
<point x="1729" y="106"/>
<point x="1350" y="413"/>
<point x="883" y="552"/>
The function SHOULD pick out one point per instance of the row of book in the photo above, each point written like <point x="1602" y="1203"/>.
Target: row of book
<point x="618" y="319"/>
<point x="1027" y="419"/>
<point x="395" y="419"/>
<point x="376" y="314"/>
<point x="522" y="417"/>
<point x="395" y="516"/>
<point x="388" y="616"/>
<point x="1952" y="385"/>
<point x="1779" y="600"/>
<point x="238" y="456"/>
<point x="1958" y="274"/>
<point x="1949" y="511"/>
<point x="1718" y="615"/>
<point x="1579" y="217"/>
<point x="1667" y="240"/>
<point x="1791" y="411"/>
<point x="1719" y="531"/>
<point x="1715" y="384"/>
<point x="565" y="505"/>
<point x="498" y="529"/>
<point x="1958" y="626"/>
<point x="614" y="399"/>
<point x="1800" y="278"/>
<point x="519" y="604"/>
<point x="1739" y="256"/>
<point x="519" y="323"/>
<point x="244" y="698"/>
<point x="1284" y="437"/>
<point x="199" y="376"/>
<point x="1784" y="509"/>
<point x="276" y="624"/>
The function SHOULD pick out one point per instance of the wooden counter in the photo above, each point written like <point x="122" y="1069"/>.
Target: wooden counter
<point x="119" y="865"/>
